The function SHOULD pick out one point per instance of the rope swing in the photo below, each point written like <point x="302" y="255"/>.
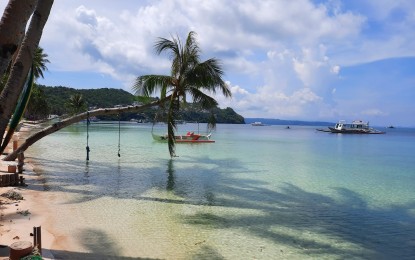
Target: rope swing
<point x="87" y="136"/>
<point x="119" y="135"/>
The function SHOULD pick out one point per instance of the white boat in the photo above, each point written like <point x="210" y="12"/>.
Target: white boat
<point x="356" y="127"/>
<point x="257" y="124"/>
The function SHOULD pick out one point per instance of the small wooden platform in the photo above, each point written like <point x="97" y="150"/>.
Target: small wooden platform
<point x="10" y="179"/>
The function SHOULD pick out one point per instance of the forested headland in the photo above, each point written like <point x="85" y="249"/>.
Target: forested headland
<point x="55" y="102"/>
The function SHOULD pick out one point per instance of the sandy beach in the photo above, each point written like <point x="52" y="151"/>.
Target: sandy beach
<point x="19" y="217"/>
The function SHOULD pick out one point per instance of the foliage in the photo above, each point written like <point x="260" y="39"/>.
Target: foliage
<point x="98" y="98"/>
<point x="38" y="107"/>
<point x="107" y="97"/>
<point x="39" y="62"/>
<point x="76" y="104"/>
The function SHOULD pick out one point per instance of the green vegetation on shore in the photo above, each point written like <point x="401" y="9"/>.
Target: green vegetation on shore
<point x="108" y="97"/>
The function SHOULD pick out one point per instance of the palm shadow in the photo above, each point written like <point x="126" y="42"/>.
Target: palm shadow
<point x="381" y="233"/>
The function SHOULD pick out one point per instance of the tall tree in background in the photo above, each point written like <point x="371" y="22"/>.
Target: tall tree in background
<point x="76" y="104"/>
<point x="21" y="65"/>
<point x="38" y="108"/>
<point x="189" y="76"/>
<point x="39" y="62"/>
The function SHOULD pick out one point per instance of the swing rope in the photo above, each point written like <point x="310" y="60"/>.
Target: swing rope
<point x="119" y="135"/>
<point x="87" y="136"/>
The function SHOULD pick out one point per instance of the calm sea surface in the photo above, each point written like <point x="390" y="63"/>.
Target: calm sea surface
<point x="257" y="193"/>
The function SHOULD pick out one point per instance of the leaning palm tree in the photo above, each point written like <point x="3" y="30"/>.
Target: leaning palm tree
<point x="20" y="68"/>
<point x="189" y="76"/>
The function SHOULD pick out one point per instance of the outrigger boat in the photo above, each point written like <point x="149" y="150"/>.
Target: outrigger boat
<point x="190" y="137"/>
<point x="356" y="127"/>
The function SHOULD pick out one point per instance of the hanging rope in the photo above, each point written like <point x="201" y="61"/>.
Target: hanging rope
<point x="119" y="135"/>
<point x="87" y="136"/>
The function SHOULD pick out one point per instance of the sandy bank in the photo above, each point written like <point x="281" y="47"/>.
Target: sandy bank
<point x="18" y="217"/>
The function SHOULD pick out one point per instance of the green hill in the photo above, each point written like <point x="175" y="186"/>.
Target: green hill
<point x="57" y="97"/>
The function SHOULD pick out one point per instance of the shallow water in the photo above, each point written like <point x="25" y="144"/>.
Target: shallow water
<point x="257" y="193"/>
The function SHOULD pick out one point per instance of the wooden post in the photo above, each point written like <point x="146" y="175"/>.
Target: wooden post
<point x="20" y="249"/>
<point x="37" y="238"/>
<point x="20" y="162"/>
<point x="15" y="145"/>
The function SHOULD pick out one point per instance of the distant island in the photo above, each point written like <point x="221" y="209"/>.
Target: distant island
<point x="268" y="121"/>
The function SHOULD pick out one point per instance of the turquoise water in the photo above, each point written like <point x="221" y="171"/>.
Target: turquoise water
<point x="257" y="193"/>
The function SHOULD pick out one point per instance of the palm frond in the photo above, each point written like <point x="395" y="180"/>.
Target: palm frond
<point x="39" y="62"/>
<point x="208" y="75"/>
<point x="149" y="84"/>
<point x="211" y="122"/>
<point x="203" y="99"/>
<point x="165" y="44"/>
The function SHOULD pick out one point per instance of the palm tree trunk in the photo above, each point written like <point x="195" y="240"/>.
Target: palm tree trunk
<point x="20" y="68"/>
<point x="74" y="119"/>
<point x="12" y="29"/>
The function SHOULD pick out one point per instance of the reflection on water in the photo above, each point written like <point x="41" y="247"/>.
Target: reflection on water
<point x="257" y="193"/>
<point x="170" y="175"/>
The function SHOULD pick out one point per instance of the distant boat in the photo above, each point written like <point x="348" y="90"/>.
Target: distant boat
<point x="257" y="124"/>
<point x="356" y="127"/>
<point x="190" y="137"/>
<point x="391" y="126"/>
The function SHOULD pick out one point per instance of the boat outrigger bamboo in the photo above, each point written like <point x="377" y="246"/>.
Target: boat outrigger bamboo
<point x="190" y="137"/>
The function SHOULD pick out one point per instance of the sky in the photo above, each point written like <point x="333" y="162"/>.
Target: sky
<point x="307" y="60"/>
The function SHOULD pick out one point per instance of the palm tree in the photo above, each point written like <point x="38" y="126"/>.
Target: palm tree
<point x="37" y="106"/>
<point x="21" y="66"/>
<point x="188" y="77"/>
<point x="39" y="62"/>
<point x="76" y="103"/>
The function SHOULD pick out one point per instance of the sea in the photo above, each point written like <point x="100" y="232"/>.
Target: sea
<point x="258" y="192"/>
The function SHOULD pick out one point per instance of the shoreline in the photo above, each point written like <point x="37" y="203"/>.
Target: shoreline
<point x="19" y="217"/>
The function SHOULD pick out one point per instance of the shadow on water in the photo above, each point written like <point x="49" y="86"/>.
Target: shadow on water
<point x="379" y="233"/>
<point x="98" y="244"/>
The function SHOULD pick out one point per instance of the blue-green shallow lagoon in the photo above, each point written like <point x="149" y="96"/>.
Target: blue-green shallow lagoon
<point x="257" y="193"/>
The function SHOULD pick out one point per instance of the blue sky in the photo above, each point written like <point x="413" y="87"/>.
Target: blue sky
<point x="303" y="59"/>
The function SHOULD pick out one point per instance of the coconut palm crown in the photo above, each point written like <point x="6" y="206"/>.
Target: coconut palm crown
<point x="189" y="77"/>
<point x="39" y="62"/>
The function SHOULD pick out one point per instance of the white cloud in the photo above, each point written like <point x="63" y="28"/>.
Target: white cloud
<point x="335" y="69"/>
